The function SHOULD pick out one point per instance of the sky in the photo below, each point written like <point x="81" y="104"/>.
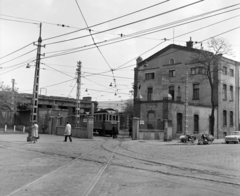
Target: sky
<point x="109" y="54"/>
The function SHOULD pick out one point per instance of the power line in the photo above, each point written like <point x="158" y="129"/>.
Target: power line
<point x="58" y="71"/>
<point x="95" y="42"/>
<point x="16" y="50"/>
<point x="57" y="83"/>
<point x="106" y="21"/>
<point x="127" y="37"/>
<point x="18" y="21"/>
<point x="18" y="56"/>
<point x="131" y="22"/>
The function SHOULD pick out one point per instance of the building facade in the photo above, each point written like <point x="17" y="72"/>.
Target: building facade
<point x="168" y="86"/>
<point x="52" y="111"/>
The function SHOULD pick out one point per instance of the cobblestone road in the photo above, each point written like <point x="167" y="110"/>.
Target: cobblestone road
<point x="137" y="168"/>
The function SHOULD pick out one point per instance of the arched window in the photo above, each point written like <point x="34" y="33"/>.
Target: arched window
<point x="171" y="62"/>
<point x="196" y="123"/>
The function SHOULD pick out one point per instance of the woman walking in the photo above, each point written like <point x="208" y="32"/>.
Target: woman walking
<point x="34" y="132"/>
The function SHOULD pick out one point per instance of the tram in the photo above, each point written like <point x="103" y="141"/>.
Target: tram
<point x="104" y="120"/>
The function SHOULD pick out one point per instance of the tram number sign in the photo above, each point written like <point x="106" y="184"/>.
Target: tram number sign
<point x="114" y="122"/>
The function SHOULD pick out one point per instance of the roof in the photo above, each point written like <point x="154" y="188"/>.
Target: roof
<point x="173" y="46"/>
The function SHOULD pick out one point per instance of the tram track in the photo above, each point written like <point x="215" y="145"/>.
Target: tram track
<point x="193" y="171"/>
<point x="94" y="180"/>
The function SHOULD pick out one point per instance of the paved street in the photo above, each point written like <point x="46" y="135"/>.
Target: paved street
<point x="85" y="167"/>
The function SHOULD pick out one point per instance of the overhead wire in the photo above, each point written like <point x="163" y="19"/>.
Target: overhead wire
<point x="125" y="37"/>
<point x="18" y="57"/>
<point x="16" y="51"/>
<point x="18" y="21"/>
<point x="96" y="44"/>
<point x="120" y="26"/>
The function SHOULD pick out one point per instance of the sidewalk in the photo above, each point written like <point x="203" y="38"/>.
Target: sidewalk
<point x="178" y="142"/>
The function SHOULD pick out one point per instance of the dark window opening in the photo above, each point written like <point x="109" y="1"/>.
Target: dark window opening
<point x="224" y="118"/>
<point x="149" y="76"/>
<point x="149" y="94"/>
<point x="171" y="91"/>
<point x="196" y="92"/>
<point x="196" y="124"/>
<point x="179" y="123"/>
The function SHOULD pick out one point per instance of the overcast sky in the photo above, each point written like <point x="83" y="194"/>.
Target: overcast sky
<point x="19" y="27"/>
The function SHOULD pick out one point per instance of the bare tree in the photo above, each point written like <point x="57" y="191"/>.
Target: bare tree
<point x="208" y="63"/>
<point x="7" y="104"/>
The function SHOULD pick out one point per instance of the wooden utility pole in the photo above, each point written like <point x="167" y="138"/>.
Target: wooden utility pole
<point x="78" y="73"/>
<point x="34" y="112"/>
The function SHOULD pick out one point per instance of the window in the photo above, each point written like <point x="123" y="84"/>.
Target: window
<point x="149" y="76"/>
<point x="171" y="62"/>
<point x="193" y="71"/>
<point x="231" y="118"/>
<point x="171" y="73"/>
<point x="231" y="93"/>
<point x="232" y="72"/>
<point x="224" y="118"/>
<point x="198" y="70"/>
<point x="196" y="124"/>
<point x="225" y="70"/>
<point x="171" y="91"/>
<point x="149" y="94"/>
<point x="196" y="92"/>
<point x="224" y="92"/>
<point x="179" y="123"/>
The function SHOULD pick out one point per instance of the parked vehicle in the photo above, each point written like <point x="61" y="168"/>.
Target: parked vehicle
<point x="233" y="137"/>
<point x="187" y="138"/>
<point x="205" y="139"/>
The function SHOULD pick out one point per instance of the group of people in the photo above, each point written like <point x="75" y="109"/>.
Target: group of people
<point x="68" y="132"/>
<point x="35" y="136"/>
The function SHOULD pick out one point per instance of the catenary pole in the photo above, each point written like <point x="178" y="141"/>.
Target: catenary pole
<point x="34" y="113"/>
<point x="78" y="73"/>
<point x="186" y="104"/>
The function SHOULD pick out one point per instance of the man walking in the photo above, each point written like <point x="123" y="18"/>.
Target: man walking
<point x="67" y="132"/>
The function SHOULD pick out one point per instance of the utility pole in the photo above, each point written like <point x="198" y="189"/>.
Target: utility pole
<point x="78" y="73"/>
<point x="186" y="103"/>
<point x="12" y="101"/>
<point x="36" y="79"/>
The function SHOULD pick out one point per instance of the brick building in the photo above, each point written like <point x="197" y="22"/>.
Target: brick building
<point x="166" y="81"/>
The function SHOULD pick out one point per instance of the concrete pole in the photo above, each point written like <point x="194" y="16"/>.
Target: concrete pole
<point x="5" y="128"/>
<point x="78" y="73"/>
<point x="186" y="104"/>
<point x="23" y="129"/>
<point x="12" y="103"/>
<point x="14" y="128"/>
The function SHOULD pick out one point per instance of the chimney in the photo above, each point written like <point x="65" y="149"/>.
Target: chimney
<point x="190" y="43"/>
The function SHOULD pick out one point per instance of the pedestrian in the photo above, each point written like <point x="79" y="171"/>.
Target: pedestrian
<point x="34" y="132"/>
<point x="67" y="132"/>
<point x="130" y="131"/>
